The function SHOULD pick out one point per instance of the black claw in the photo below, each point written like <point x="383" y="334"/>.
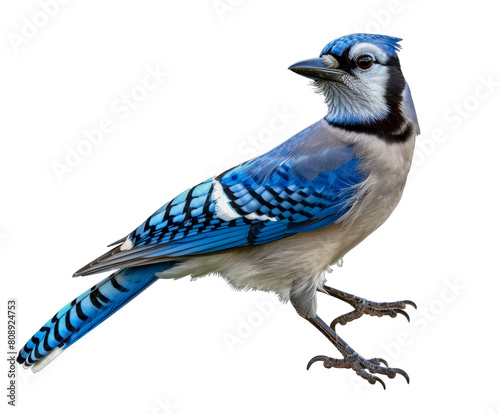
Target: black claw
<point x="373" y="366"/>
<point x="378" y="361"/>
<point x="410" y="302"/>
<point x="403" y="373"/>
<point x="379" y="380"/>
<point x="384" y="362"/>
<point x="316" y="359"/>
<point x="365" y="368"/>
<point x="402" y="312"/>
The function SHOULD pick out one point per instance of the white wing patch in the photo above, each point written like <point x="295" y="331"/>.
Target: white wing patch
<point x="263" y="217"/>
<point x="226" y="212"/>
<point x="126" y="245"/>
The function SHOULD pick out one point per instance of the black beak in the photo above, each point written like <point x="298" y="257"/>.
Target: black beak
<point x="315" y="69"/>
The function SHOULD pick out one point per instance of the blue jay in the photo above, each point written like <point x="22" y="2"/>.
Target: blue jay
<point x="279" y="221"/>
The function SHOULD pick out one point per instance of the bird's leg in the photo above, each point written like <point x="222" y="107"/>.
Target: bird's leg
<point x="365" y="307"/>
<point x="351" y="359"/>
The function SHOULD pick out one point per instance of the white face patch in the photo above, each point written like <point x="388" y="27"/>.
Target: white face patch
<point x="360" y="98"/>
<point x="330" y="61"/>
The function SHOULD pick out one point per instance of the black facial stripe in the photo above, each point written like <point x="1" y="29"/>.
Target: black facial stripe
<point x="344" y="62"/>
<point x="386" y="129"/>
<point x="347" y="64"/>
<point x="392" y="128"/>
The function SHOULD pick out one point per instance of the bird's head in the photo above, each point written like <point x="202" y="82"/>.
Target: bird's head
<point x="364" y="88"/>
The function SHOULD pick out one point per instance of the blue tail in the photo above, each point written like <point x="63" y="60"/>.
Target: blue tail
<point x="86" y="312"/>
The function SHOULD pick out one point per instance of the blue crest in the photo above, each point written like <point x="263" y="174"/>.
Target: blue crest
<point x="387" y="43"/>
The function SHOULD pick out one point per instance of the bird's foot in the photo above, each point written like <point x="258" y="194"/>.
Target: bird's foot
<point x="365" y="307"/>
<point x="363" y="367"/>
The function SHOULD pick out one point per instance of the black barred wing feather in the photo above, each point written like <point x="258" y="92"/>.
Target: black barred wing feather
<point x="258" y="202"/>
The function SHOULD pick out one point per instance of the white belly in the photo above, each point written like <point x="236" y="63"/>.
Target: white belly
<point x="302" y="259"/>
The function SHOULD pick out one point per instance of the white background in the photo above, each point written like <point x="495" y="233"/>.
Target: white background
<point x="170" y="350"/>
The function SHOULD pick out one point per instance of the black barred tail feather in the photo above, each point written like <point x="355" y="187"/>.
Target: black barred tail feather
<point x="86" y="312"/>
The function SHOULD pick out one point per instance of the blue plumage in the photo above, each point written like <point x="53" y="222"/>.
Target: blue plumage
<point x="88" y="310"/>
<point x="296" y="187"/>
<point x="279" y="221"/>
<point x="388" y="44"/>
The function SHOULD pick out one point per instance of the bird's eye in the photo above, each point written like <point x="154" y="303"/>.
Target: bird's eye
<point x="365" y="62"/>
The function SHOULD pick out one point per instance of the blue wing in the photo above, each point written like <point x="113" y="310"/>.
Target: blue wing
<point x="304" y="184"/>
